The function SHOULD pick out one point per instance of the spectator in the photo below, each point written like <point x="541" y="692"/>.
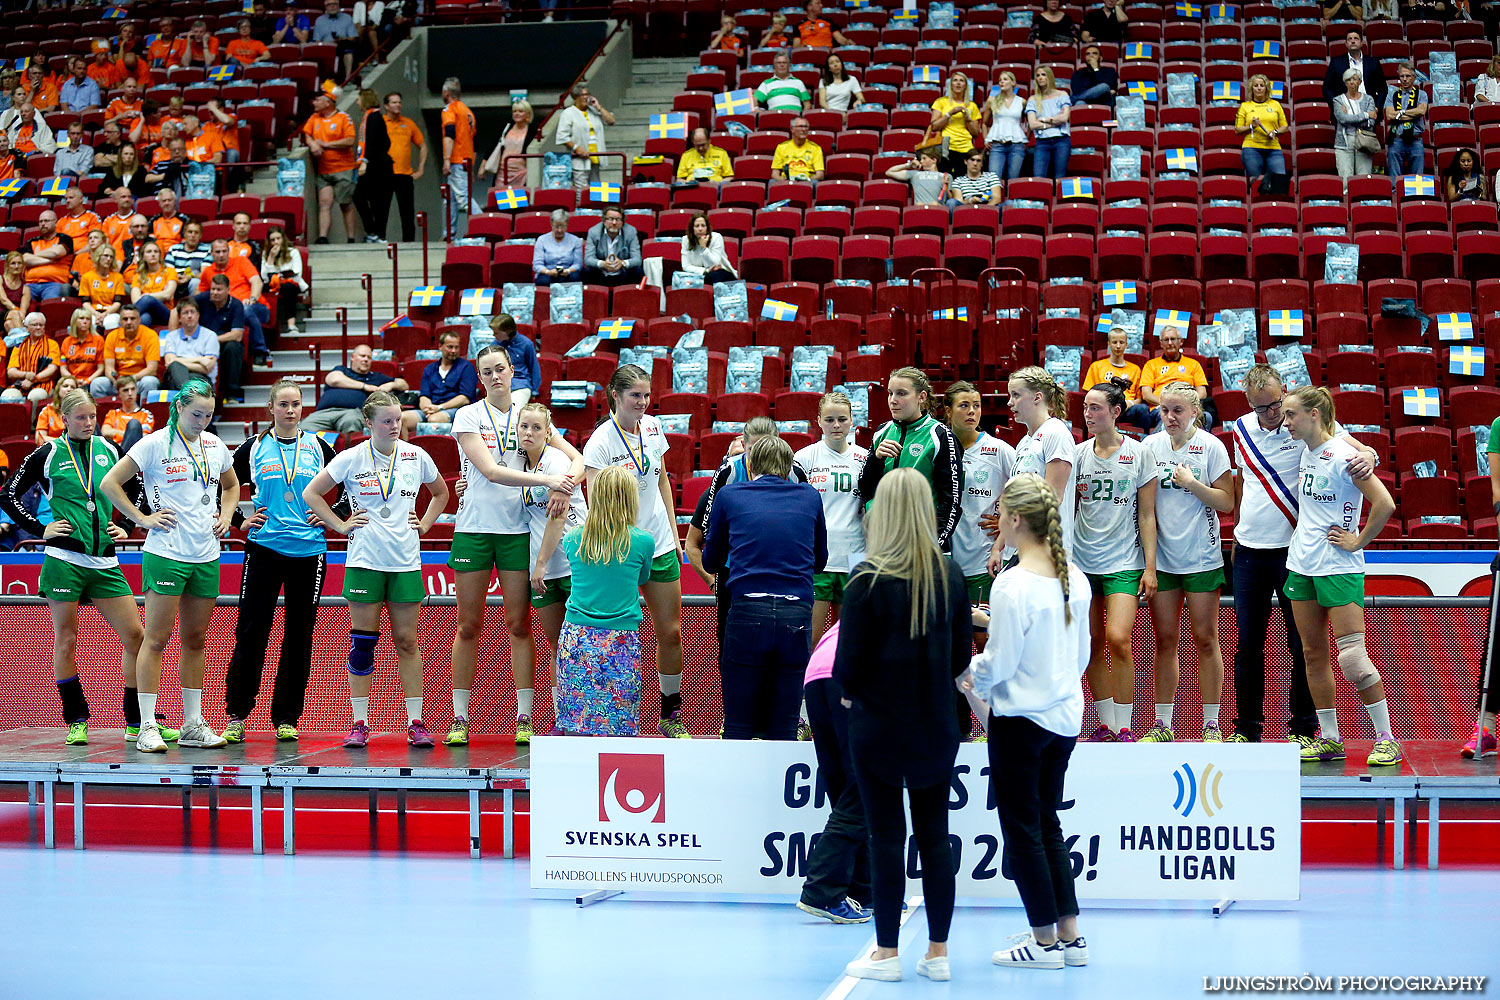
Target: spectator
<point x="126" y="171"/>
<point x="1047" y="113"/>
<point x="781" y="91"/>
<point x="196" y="48"/>
<point x="447" y="384"/>
<point x="798" y="159"/>
<point x="1487" y="84"/>
<point x="190" y="351"/>
<point x="929" y="185"/>
<point x="168" y="225"/>
<point x="368" y="18"/>
<point x="777" y="35"/>
<point x="1341" y="10"/>
<point x="1053" y="26"/>
<point x="12" y="163"/>
<point x="329" y="135"/>
<point x="117" y="225"/>
<point x="457" y="122"/>
<point x="170" y="165"/>
<point x="76" y="159"/>
<point x="128" y="421"/>
<point x="245" y="285"/>
<point x="226" y="317"/>
<point x="1464" y="178"/>
<point x="49" y="422"/>
<point x="154" y="289"/>
<point x="1092" y="82"/>
<point x="13" y="291"/>
<point x="80" y="94"/>
<point x="403" y="135"/>
<point x="839" y="91"/>
<point x="816" y="33"/>
<point x="33" y="364"/>
<point x="8" y="83"/>
<point x="1116" y="365"/>
<point x="1384" y="10"/>
<point x="16" y="97"/>
<point x="262" y="22"/>
<point x="126" y="109"/>
<point x="281" y="275"/>
<point x="344" y="392"/>
<point x="703" y="162"/>
<point x="1164" y="369"/>
<point x="1371" y="75"/>
<point x="104" y="289"/>
<point x="240" y="243"/>
<point x="29" y="131"/>
<point x="83" y="349"/>
<point x="526" y="369"/>
<point x="191" y="256"/>
<point x="1406" y="120"/>
<point x="1427" y="10"/>
<point x="153" y="131"/>
<point x="1105" y="23"/>
<point x="559" y="254"/>
<point x="134" y="67"/>
<point x="159" y="52"/>
<point x="1354" y="111"/>
<point x="977" y="186"/>
<point x="83" y="260"/>
<point x="337" y="27"/>
<point x="292" y="28"/>
<point x="40" y="90"/>
<point x="130" y="249"/>
<point x="102" y="69"/>
<point x="76" y="219"/>
<point x="703" y="252"/>
<point x="727" y="38"/>
<point x="48" y="256"/>
<point x="129" y="349"/>
<point x="505" y="160"/>
<point x="1262" y="122"/>
<point x="957" y="119"/>
<point x="202" y="147"/>
<point x="580" y="128"/>
<point x="612" y="251"/>
<point x="245" y="48"/>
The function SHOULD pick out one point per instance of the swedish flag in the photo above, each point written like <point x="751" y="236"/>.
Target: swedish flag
<point x="616" y="329"/>
<point x="1226" y="90"/>
<point x="777" y="309"/>
<point x="1118" y="293"/>
<point x="1182" y="159"/>
<point x="734" y="102"/>
<point x="1144" y="89"/>
<point x="1421" y="402"/>
<point x="114" y="14"/>
<point x="511" y="198"/>
<point x="604" y="191"/>
<point x="477" y="302"/>
<point x="1286" y="322"/>
<point x="1466" y="360"/>
<point x="673" y="126"/>
<point x="856" y="4"/>
<point x="221" y="74"/>
<point x="962" y="312"/>
<point x="12" y="187"/>
<point x="1455" y="326"/>
<point x="1170" y="317"/>
<point x="1077" y="187"/>
<point x="926" y="74"/>
<point x="905" y="14"/>
<point x="1418" y="186"/>
<point x="428" y="295"/>
<point x="1266" y="49"/>
<point x="1189" y="10"/>
<point x="1278" y="90"/>
<point x="1140" y="50"/>
<point x="53" y="187"/>
<point x="1227" y="11"/>
<point x="1104" y="323"/>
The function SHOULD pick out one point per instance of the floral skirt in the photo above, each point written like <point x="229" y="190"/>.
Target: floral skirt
<point x="598" y="681"/>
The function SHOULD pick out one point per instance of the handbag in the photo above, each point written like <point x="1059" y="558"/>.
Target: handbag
<point x="1365" y="139"/>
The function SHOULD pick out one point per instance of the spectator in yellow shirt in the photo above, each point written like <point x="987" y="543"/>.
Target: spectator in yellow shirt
<point x="704" y="163"/>
<point x="799" y="158"/>
<point x="1172" y="366"/>
<point x="1262" y="122"/>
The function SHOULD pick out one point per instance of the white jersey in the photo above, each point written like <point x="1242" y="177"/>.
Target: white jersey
<point x="641" y="455"/>
<point x="1051" y="441"/>
<point x="987" y="467"/>
<point x="834" y="476"/>
<point x="388" y="543"/>
<point x="534" y="499"/>
<point x="1187" y="529"/>
<point x="174" y="476"/>
<point x="1326" y="497"/>
<point x="486" y="507"/>
<point x="1108" y="536"/>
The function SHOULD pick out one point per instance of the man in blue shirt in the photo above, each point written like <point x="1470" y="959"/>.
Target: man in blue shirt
<point x="527" y="368"/>
<point x="190" y="351"/>
<point x="225" y="315"/>
<point x="612" y="251"/>
<point x="345" y="389"/>
<point x="335" y="26"/>
<point x="79" y="93"/>
<point x="559" y="254"/>
<point x="447" y="383"/>
<point x="292" y="29"/>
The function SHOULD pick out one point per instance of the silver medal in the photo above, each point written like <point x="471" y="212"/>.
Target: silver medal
<point x="89" y="506"/>
<point x="205" y="501"/>
<point x="385" y="512"/>
<point x="287" y="496"/>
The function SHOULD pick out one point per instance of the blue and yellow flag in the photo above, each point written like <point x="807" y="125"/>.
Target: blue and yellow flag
<point x="477" y="302"/>
<point x="1466" y="360"/>
<point x="1455" y="326"/>
<point x="428" y="295"/>
<point x="734" y="102"/>
<point x="1119" y="293"/>
<point x="671" y="126"/>
<point x="1421" y="402"/>
<point x="616" y="329"/>
<point x="777" y="309"/>
<point x="1286" y="323"/>
<point x="1182" y="159"/>
<point x="510" y="198"/>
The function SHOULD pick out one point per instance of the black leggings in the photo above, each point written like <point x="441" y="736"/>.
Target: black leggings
<point x="266" y="573"/>
<point x="887" y="820"/>
<point x="1033" y="762"/>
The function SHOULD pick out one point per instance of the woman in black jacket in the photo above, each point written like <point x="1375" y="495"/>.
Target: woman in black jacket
<point x="907" y="630"/>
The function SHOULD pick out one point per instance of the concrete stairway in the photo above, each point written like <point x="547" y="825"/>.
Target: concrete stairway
<point x="655" y="83"/>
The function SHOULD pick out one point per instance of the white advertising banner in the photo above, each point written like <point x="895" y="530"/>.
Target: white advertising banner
<point x="1147" y="821"/>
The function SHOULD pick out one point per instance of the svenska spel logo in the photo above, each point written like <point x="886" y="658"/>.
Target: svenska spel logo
<point x="1200" y="790"/>
<point x="632" y="785"/>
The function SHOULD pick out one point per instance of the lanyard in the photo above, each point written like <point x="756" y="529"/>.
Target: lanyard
<point x="87" y="484"/>
<point x="387" y="483"/>
<point x="200" y="470"/>
<point x="500" y="442"/>
<point x="639" y="461"/>
<point x="289" y="472"/>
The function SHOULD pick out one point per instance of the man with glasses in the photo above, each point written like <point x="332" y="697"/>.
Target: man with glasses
<point x="1171" y="365"/>
<point x="1265" y="513"/>
<point x="1405" y="120"/>
<point x="798" y="159"/>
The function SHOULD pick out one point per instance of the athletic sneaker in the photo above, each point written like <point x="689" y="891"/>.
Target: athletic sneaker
<point x="804" y="731"/>
<point x="149" y="740"/>
<point x="197" y="734"/>
<point x="1321" y="749"/>
<point x="935" y="968"/>
<point x="417" y="735"/>
<point x="1387" y="752"/>
<point x="1211" y="734"/>
<point x="286" y="732"/>
<point x="78" y="734"/>
<point x="1102" y="735"/>
<point x="846" y="911"/>
<point x="1076" y="951"/>
<point x="1026" y="953"/>
<point x="1235" y="738"/>
<point x="673" y="728"/>
<point x="235" y="731"/>
<point x="358" y="737"/>
<point x="167" y="734"/>
<point x="1158" y="733"/>
<point x="981" y="738"/>
<point x="1126" y="736"/>
<point x="458" y="736"/>
<point x="885" y="970"/>
<point x="524" y="731"/>
<point x="1482" y="744"/>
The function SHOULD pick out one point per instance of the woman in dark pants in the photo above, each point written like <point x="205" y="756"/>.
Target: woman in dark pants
<point x="907" y="632"/>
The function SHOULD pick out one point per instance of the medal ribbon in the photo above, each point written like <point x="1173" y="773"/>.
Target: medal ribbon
<point x="200" y="469"/>
<point x="289" y="473"/>
<point x="638" y="461"/>
<point x="500" y="442"/>
<point x="87" y="484"/>
<point x="388" y="483"/>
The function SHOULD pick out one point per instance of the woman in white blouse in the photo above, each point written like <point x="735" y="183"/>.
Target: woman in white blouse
<point x="281" y="273"/>
<point x="1487" y="87"/>
<point x="703" y="252"/>
<point x="1006" y="138"/>
<point x="839" y="91"/>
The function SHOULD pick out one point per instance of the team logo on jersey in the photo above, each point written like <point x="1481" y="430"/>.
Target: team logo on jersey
<point x="101" y="460"/>
<point x="914" y="450"/>
<point x="1326" y="454"/>
<point x="1127" y="459"/>
<point x="981" y="475"/>
<point x="1195" y="449"/>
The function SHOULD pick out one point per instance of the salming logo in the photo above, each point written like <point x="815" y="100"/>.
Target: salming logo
<point x="1201" y="790"/>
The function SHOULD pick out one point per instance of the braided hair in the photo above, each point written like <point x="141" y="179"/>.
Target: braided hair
<point x="1033" y="500"/>
<point x="1038" y="379"/>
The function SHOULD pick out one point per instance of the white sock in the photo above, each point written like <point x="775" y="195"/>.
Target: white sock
<point x="1210" y="716"/>
<point x="670" y="683"/>
<point x="1380" y="715"/>
<point x="192" y="705"/>
<point x="460" y="704"/>
<point x="148" y="707"/>
<point x="413" y="709"/>
<point x="1164" y="714"/>
<point x="1123" y="715"/>
<point x="1489" y="721"/>
<point x="1328" y="722"/>
<point x="361" y="708"/>
<point x="524" y="698"/>
<point x="1106" y="710"/>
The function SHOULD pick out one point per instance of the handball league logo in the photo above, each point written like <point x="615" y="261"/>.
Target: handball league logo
<point x="632" y="785"/>
<point x="1201" y="790"/>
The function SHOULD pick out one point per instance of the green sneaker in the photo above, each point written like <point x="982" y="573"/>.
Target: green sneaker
<point x="286" y="732"/>
<point x="1158" y="733"/>
<point x="1387" y="752"/>
<point x="804" y="731"/>
<point x="523" y="730"/>
<point x="1321" y="750"/>
<point x="1236" y="738"/>
<point x="78" y="734"/>
<point x="235" y="731"/>
<point x="133" y="733"/>
<point x="1212" y="734"/>
<point x="672" y="728"/>
<point x="458" y="736"/>
<point x="981" y="738"/>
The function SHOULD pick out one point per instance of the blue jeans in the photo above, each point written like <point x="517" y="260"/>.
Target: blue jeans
<point x="1257" y="574"/>
<point x="458" y="197"/>
<point x="1099" y="93"/>
<point x="1006" y="158"/>
<point x="256" y="318"/>
<point x="767" y="641"/>
<point x="41" y="291"/>
<point x="1405" y="156"/>
<point x="154" y="312"/>
<point x="1259" y="162"/>
<point x="1141" y="415"/>
<point x="1050" y="158"/>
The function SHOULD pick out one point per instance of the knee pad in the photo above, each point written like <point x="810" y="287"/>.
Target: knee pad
<point x="362" y="652"/>
<point x="1355" y="662"/>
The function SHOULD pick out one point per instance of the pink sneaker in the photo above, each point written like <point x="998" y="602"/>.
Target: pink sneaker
<point x="1481" y="744"/>
<point x="1126" y="736"/>
<point x="1102" y="735"/>
<point x="417" y="735"/>
<point x="358" y="736"/>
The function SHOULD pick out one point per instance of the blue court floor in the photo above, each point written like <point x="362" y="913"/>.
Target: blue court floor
<point x="112" y="923"/>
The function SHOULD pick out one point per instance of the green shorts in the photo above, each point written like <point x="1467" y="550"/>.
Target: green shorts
<point x="343" y="183"/>
<point x="373" y="586"/>
<point x="830" y="587"/>
<point x="556" y="593"/>
<point x="666" y="568"/>
<point x="1193" y="583"/>
<point x="1330" y="591"/>
<point x="1125" y="582"/>
<point x="176" y="579"/>
<point x="64" y="581"/>
<point x="979" y="587"/>
<point x="479" y="551"/>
